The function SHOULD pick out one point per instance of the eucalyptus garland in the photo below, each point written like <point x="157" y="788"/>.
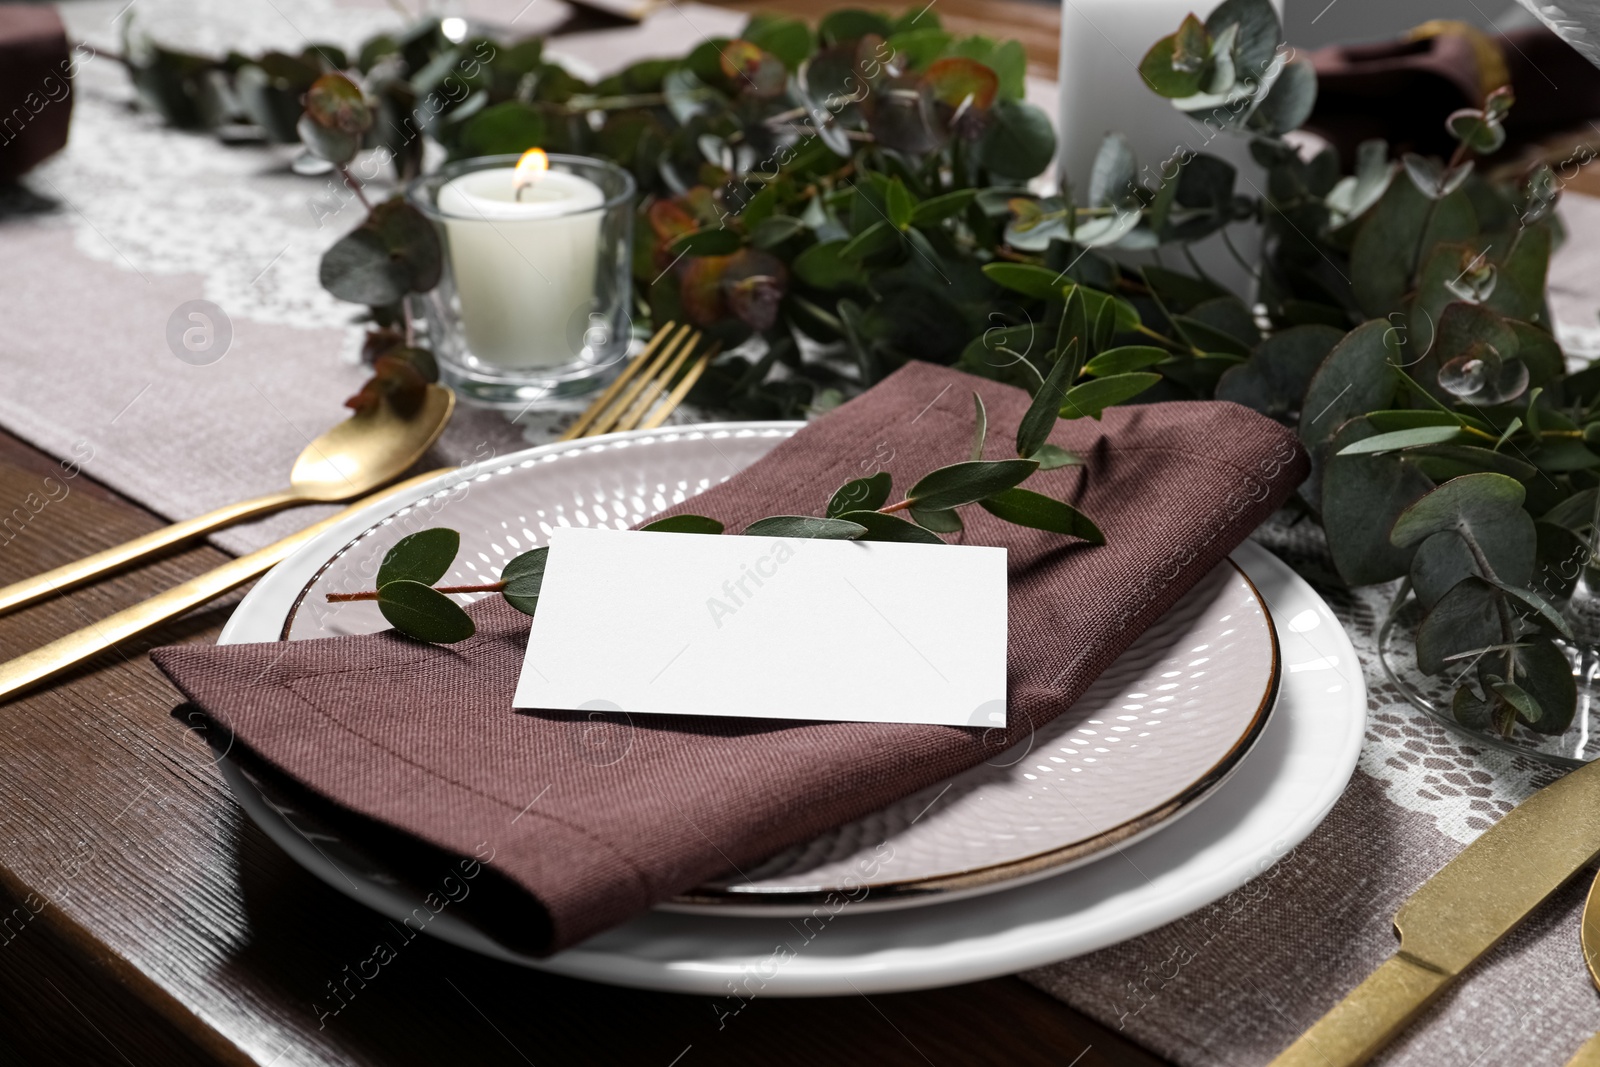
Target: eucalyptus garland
<point x="858" y="511"/>
<point x="829" y="204"/>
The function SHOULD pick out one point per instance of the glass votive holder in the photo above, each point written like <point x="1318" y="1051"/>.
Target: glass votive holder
<point x="533" y="299"/>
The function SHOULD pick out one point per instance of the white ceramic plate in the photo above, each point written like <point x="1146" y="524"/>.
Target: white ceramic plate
<point x="1155" y="733"/>
<point x="681" y="952"/>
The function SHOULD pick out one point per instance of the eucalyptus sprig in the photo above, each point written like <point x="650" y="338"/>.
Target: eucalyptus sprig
<point x="860" y="510"/>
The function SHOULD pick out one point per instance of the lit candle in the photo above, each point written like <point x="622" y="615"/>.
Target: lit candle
<point x="523" y="243"/>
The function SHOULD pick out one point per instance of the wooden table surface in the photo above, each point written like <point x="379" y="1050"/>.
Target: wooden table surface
<point x="145" y="920"/>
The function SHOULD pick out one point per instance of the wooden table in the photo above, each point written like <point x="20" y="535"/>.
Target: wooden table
<point x="145" y="920"/>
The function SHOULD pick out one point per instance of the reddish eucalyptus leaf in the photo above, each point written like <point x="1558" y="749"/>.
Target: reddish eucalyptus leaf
<point x="670" y="220"/>
<point x="956" y="81"/>
<point x="700" y="288"/>
<point x="753" y="285"/>
<point x="335" y="103"/>
<point x="752" y="70"/>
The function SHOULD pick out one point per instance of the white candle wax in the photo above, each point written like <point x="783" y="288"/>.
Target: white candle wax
<point x="1102" y="91"/>
<point x="522" y="267"/>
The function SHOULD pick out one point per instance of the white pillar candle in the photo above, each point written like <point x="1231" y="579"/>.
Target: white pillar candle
<point x="523" y="266"/>
<point x="1102" y="91"/>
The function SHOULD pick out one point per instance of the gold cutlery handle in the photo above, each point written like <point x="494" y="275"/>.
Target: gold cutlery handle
<point x="1588" y="1055"/>
<point x="129" y="552"/>
<point x="64" y="652"/>
<point x="1368" y="1017"/>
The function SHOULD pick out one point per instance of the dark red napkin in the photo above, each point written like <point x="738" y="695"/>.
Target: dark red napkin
<point x="35" y="86"/>
<point x="422" y="745"/>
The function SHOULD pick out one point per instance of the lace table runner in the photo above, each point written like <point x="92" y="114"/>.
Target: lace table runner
<point x="105" y="241"/>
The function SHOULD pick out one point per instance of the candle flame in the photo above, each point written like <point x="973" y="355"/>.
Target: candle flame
<point x="530" y="168"/>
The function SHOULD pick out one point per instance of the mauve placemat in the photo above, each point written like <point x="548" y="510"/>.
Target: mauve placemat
<point x="424" y="738"/>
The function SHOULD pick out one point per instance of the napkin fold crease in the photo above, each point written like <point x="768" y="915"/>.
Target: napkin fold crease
<point x="415" y="752"/>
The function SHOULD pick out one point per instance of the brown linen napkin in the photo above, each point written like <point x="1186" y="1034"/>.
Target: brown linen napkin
<point x="35" y="86"/>
<point x="424" y="739"/>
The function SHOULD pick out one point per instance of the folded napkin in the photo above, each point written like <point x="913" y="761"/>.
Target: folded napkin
<point x="35" y="86"/>
<point x="421" y="746"/>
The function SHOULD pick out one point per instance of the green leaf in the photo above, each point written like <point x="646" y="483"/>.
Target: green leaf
<point x="420" y="611"/>
<point x="860" y="494"/>
<point x="1355" y="378"/>
<point x="1361" y="497"/>
<point x="1576" y="512"/>
<point x="1161" y="70"/>
<point x="938" y="208"/>
<point x="524" y="577"/>
<point x="1095" y="303"/>
<point x="965" y="483"/>
<point x="1275" y="380"/>
<point x="1037" y="511"/>
<point x="823" y="266"/>
<point x="1397" y="439"/>
<point x="718" y="242"/>
<point x="980" y="430"/>
<point x="1465" y="618"/>
<point x="501" y="129"/>
<point x="851" y="25"/>
<point x="1027" y="279"/>
<point x="423" y="557"/>
<point x="1019" y="143"/>
<point x="898" y="203"/>
<point x="875" y="238"/>
<point x="773" y="230"/>
<point x="1443" y="559"/>
<point x="1472" y="504"/>
<point x="788" y="39"/>
<point x="1527" y="707"/>
<point x="1259" y="32"/>
<point x="1051" y="457"/>
<point x="881" y="527"/>
<point x="1289" y="102"/>
<point x="1091" y="398"/>
<point x="1545" y="674"/>
<point x="1545" y="611"/>
<point x="687" y="524"/>
<point x="805" y="526"/>
<point x="1040" y="418"/>
<point x="948" y="521"/>
<point x="1125" y="359"/>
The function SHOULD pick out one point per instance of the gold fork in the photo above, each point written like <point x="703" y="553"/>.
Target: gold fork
<point x="630" y="401"/>
<point x="633" y="401"/>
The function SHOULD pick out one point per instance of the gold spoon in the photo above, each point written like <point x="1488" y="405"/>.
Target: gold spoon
<point x="355" y="457"/>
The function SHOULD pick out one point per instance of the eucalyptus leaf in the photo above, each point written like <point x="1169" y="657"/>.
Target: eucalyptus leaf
<point x="1040" y="418"/>
<point x="1090" y="399"/>
<point x="422" y="612"/>
<point x="524" y="577"/>
<point x="423" y="557"/>
<point x="805" y="526"/>
<point x="1125" y="359"/>
<point x="881" y="527"/>
<point x="1051" y="457"/>
<point x="1027" y="508"/>
<point x="860" y="494"/>
<point x="966" y="483"/>
<point x="1545" y="674"/>
<point x="980" y="430"/>
<point x="685" y="524"/>
<point x="948" y="521"/>
<point x="1397" y="439"/>
<point x="1465" y="618"/>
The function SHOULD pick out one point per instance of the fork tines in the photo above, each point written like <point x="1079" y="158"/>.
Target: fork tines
<point x="649" y="388"/>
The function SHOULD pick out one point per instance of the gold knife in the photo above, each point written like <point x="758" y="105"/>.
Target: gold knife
<point x="1589" y="938"/>
<point x="45" y="662"/>
<point x="1461" y="913"/>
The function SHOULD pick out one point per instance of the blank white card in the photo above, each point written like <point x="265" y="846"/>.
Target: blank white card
<point x="766" y="627"/>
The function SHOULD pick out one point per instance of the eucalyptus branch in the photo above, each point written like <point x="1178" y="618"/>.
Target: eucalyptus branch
<point x="859" y="510"/>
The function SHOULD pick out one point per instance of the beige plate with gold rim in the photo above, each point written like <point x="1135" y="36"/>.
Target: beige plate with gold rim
<point x="1155" y="734"/>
